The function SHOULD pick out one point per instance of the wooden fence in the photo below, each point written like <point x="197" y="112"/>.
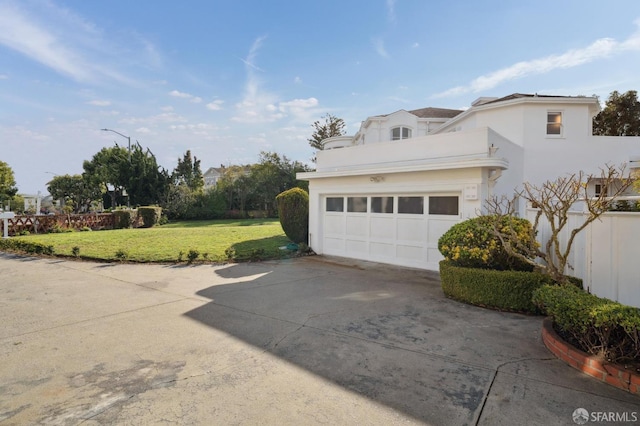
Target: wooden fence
<point x="37" y="224"/>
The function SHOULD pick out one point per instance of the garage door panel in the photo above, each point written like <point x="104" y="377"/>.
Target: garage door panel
<point x="334" y="224"/>
<point x="382" y="228"/>
<point x="411" y="253"/>
<point x="382" y="250"/>
<point x="357" y="226"/>
<point x="434" y="255"/>
<point x="334" y="245"/>
<point x="357" y="247"/>
<point x="438" y="226"/>
<point x="411" y="229"/>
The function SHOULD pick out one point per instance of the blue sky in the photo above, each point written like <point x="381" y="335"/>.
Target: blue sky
<point x="230" y="79"/>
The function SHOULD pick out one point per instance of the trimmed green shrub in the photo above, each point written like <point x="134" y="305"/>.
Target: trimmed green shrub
<point x="596" y="325"/>
<point x="21" y="246"/>
<point x="293" y="211"/>
<point x="124" y="219"/>
<point x="501" y="290"/>
<point x="150" y="215"/>
<point x="192" y="255"/>
<point x="473" y="244"/>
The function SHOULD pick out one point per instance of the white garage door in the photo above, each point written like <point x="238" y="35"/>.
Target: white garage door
<point x="397" y="229"/>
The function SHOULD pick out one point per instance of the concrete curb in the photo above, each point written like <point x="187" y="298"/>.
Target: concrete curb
<point x="589" y="364"/>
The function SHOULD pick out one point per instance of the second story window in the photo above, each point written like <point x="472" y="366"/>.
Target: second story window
<point x="398" y="133"/>
<point x="554" y="123"/>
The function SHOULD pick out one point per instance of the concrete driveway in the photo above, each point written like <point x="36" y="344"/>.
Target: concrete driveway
<point x="303" y="341"/>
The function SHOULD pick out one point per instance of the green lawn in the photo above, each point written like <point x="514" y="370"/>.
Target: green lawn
<point x="244" y="239"/>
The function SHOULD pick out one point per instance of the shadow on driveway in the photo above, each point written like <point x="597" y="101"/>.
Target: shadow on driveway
<point x="383" y="332"/>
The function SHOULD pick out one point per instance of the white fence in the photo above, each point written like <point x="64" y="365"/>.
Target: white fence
<point x="606" y="255"/>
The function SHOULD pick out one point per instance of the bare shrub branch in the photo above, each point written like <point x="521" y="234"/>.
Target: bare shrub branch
<point x="553" y="200"/>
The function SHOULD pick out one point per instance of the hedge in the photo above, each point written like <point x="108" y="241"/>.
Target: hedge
<point x="150" y="215"/>
<point x="502" y="290"/>
<point x="596" y="325"/>
<point x="124" y="218"/>
<point x="22" y="246"/>
<point x="293" y="211"/>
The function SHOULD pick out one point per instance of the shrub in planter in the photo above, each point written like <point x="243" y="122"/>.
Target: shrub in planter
<point x="293" y="211"/>
<point x="501" y="290"/>
<point x="150" y="215"/>
<point x="472" y="243"/>
<point x="124" y="219"/>
<point x="596" y="325"/>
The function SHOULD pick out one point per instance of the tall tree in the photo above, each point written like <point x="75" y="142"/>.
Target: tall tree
<point x="109" y="170"/>
<point x="330" y="127"/>
<point x="7" y="183"/>
<point x="620" y="116"/>
<point x="75" y="190"/>
<point x="148" y="183"/>
<point x="188" y="172"/>
<point x="273" y="175"/>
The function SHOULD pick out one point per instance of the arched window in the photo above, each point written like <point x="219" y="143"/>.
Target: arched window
<point x="399" y="133"/>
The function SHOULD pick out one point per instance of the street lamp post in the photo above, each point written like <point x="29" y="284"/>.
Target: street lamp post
<point x="129" y="151"/>
<point x="124" y="136"/>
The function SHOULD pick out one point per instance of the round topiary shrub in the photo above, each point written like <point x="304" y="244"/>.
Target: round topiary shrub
<point x="473" y="244"/>
<point x="293" y="211"/>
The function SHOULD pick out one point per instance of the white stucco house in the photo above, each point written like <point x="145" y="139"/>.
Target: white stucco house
<point x="387" y="193"/>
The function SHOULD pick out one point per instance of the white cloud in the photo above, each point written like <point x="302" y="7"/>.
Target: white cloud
<point x="300" y="103"/>
<point x="415" y="45"/>
<point x="100" y="103"/>
<point x="391" y="12"/>
<point x="378" y="45"/>
<point x="167" y="108"/>
<point x="183" y="95"/>
<point x="599" y="49"/>
<point x="178" y="94"/>
<point x="60" y="40"/>
<point x="4" y="77"/>
<point x="215" y="105"/>
<point x="144" y="130"/>
<point x="257" y="105"/>
<point x="297" y="80"/>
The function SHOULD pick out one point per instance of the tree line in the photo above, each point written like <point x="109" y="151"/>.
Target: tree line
<point x="115" y="179"/>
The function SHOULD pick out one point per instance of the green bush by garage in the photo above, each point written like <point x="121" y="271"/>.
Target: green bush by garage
<point x="502" y="290"/>
<point x="293" y="211"/>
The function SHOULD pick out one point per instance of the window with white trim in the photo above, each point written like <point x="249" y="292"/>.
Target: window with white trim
<point x="381" y="204"/>
<point x="411" y="205"/>
<point x="444" y="205"/>
<point x="357" y="204"/>
<point x="554" y="123"/>
<point x="335" y="204"/>
<point x="399" y="133"/>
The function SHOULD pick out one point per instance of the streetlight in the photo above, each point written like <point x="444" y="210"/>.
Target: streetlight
<point x="129" y="150"/>
<point x="124" y="136"/>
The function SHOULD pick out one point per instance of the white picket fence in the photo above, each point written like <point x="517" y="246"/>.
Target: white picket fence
<point x="605" y="255"/>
